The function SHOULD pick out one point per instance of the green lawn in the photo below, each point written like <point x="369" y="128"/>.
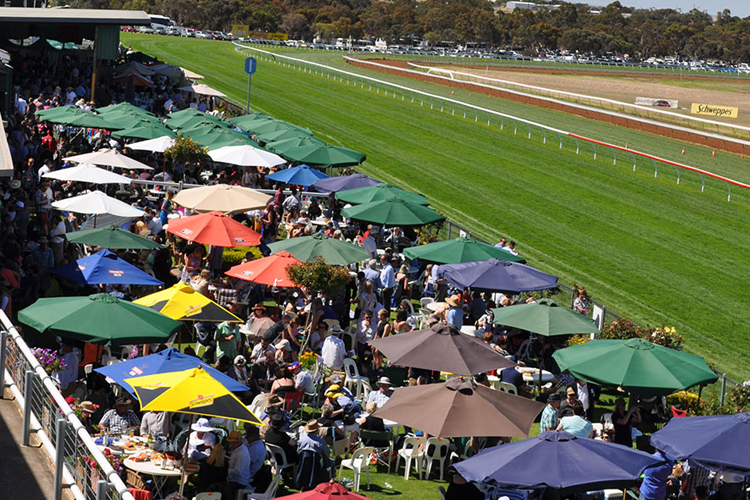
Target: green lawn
<point x="644" y="246"/>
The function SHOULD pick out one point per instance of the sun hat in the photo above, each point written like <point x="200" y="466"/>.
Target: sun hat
<point x="274" y="401"/>
<point x="88" y="407"/>
<point x="336" y="330"/>
<point x="123" y="401"/>
<point x="570" y="390"/>
<point x="312" y="426"/>
<point x="554" y="397"/>
<point x="240" y="360"/>
<point x="233" y="436"/>
<point x="202" y="425"/>
<point x="283" y="344"/>
<point x="453" y="301"/>
<point x="384" y="381"/>
<point x="258" y="307"/>
<point x="15" y="184"/>
<point x="277" y="421"/>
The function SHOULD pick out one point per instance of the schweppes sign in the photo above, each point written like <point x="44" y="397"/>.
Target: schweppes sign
<point x="240" y="29"/>
<point x="716" y="111"/>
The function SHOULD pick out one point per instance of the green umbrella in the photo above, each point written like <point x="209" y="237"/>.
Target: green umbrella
<point x="544" y="317"/>
<point x="100" y="319"/>
<point x="323" y="156"/>
<point x="185" y="112"/>
<point x="279" y="147"/>
<point x="77" y="117"/>
<point x="308" y="248"/>
<point x="279" y="135"/>
<point x="219" y="138"/>
<point x="393" y="211"/>
<point x="379" y="192"/>
<point x="60" y="46"/>
<point x="637" y="365"/>
<point x="459" y="250"/>
<point x="245" y="120"/>
<point x="262" y="127"/>
<point x="124" y="107"/>
<point x="145" y="129"/>
<point x="112" y="237"/>
<point x="188" y="122"/>
<point x="127" y="119"/>
<point x="61" y="110"/>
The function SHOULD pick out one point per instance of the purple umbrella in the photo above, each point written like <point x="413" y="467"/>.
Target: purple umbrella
<point x="497" y="275"/>
<point x="344" y="183"/>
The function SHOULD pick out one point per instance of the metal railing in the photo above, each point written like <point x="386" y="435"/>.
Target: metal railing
<point x="80" y="466"/>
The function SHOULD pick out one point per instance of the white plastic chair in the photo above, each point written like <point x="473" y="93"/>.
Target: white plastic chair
<point x="436" y="449"/>
<point x="259" y="403"/>
<point x="359" y="462"/>
<point x="410" y="452"/>
<point x="424" y="301"/>
<point x="249" y="494"/>
<point x="125" y="352"/>
<point x="509" y="388"/>
<point x="353" y="379"/>
<point x="207" y="495"/>
<point x="349" y="337"/>
<point x="279" y="456"/>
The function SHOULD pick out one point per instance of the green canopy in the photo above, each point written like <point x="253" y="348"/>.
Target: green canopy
<point x="124" y="107"/>
<point x="379" y="192"/>
<point x="100" y="319"/>
<point x="112" y="237"/>
<point x="189" y="121"/>
<point x="544" y="317"/>
<point x="61" y="110"/>
<point x="126" y="119"/>
<point x="145" y="129"/>
<point x="279" y="147"/>
<point x="60" y="46"/>
<point x="77" y="117"/>
<point x="323" y="155"/>
<point x="253" y="118"/>
<point x="219" y="138"/>
<point x="265" y="126"/>
<point x="279" y="135"/>
<point x="393" y="212"/>
<point x="308" y="248"/>
<point x="185" y="112"/>
<point x="636" y="365"/>
<point x="459" y="250"/>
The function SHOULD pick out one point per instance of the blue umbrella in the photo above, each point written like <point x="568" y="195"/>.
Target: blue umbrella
<point x="104" y="268"/>
<point x="716" y="442"/>
<point x="344" y="183"/>
<point x="301" y="175"/>
<point x="166" y="361"/>
<point x="557" y="460"/>
<point x="497" y="275"/>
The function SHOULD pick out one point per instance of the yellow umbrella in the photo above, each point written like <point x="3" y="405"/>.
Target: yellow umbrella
<point x="182" y="302"/>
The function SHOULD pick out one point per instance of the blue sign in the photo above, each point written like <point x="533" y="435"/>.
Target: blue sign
<point x="250" y="64"/>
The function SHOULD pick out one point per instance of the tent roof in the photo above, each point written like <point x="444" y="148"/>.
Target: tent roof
<point x="73" y="16"/>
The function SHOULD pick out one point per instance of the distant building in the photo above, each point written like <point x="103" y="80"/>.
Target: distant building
<point x="521" y="6"/>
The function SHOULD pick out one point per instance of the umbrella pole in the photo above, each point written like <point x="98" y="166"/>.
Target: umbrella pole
<point x="183" y="476"/>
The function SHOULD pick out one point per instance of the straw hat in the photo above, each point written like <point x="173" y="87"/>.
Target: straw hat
<point x="453" y="301"/>
<point x="312" y="426"/>
<point x="87" y="407"/>
<point x="384" y="381"/>
<point x="335" y="330"/>
<point x="234" y="436"/>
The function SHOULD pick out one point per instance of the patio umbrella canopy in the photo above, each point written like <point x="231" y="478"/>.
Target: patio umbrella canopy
<point x="393" y="212"/>
<point x="104" y="268"/>
<point x="557" y="460"/>
<point x="459" y="250"/>
<point x="279" y="147"/>
<point x="636" y="365"/>
<point x="324" y="156"/>
<point x="343" y="183"/>
<point x="301" y="175"/>
<point x="309" y="248"/>
<point x="280" y="135"/>
<point x="214" y="228"/>
<point x="716" y="442"/>
<point x="273" y="125"/>
<point x="112" y="237"/>
<point x="202" y="89"/>
<point x="182" y="302"/>
<point x="100" y="319"/>
<point x="76" y="117"/>
<point x="544" y="317"/>
<point x="223" y="198"/>
<point x="144" y="129"/>
<point x="196" y="121"/>
<point x="110" y="158"/>
<point x="166" y="361"/>
<point x="96" y="203"/>
<point x="244" y="120"/>
<point x="157" y="145"/>
<point x="126" y="118"/>
<point x="124" y="106"/>
<point x="443" y="348"/>
<point x="87" y="172"/>
<point x="497" y="275"/>
<point x="326" y="491"/>
<point x="379" y="192"/>
<point x="266" y="271"/>
<point x="222" y="137"/>
<point x="461" y="408"/>
<point x="246" y="156"/>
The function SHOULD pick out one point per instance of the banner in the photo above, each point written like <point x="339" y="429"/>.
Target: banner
<point x="659" y="103"/>
<point x="268" y="36"/>
<point x="240" y="29"/>
<point x="716" y="111"/>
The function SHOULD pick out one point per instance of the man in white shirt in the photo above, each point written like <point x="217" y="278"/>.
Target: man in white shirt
<point x="584" y="396"/>
<point x="302" y="379"/>
<point x="369" y="244"/>
<point x="238" y="475"/>
<point x="333" y="351"/>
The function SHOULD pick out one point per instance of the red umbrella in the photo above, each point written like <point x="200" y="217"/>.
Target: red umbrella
<point x="327" y="491"/>
<point x="214" y="228"/>
<point x="266" y="271"/>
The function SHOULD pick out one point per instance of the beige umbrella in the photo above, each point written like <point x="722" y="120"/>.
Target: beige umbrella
<point x="87" y="172"/>
<point x="191" y="74"/>
<point x="110" y="158"/>
<point x="202" y="89"/>
<point x="221" y="198"/>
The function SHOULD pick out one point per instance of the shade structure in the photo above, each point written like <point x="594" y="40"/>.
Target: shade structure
<point x="266" y="271"/>
<point x="459" y="250"/>
<point x="123" y="106"/>
<point x="301" y="175"/>
<point x="246" y="156"/>
<point x="95" y="203"/>
<point x="379" y="192"/>
<point x="133" y="66"/>
<point x="279" y="135"/>
<point x="637" y="365"/>
<point x="224" y="198"/>
<point x="99" y="318"/>
<point x="324" y="156"/>
<point x="60" y="110"/>
<point x="138" y="80"/>
<point x="242" y="121"/>
<point x="214" y="228"/>
<point x="110" y="158"/>
<point x="182" y="303"/>
<point x="156" y="145"/>
<point x="127" y="117"/>
<point x="222" y="137"/>
<point x="76" y="117"/>
<point x="557" y="460"/>
<point x="443" y="348"/>
<point x="144" y="129"/>
<point x="393" y="212"/>
<point x="279" y="147"/>
<point x="309" y="248"/>
<point x="326" y="491"/>
<point x="716" y="442"/>
<point x="87" y="172"/>
<point x="191" y="74"/>
<point x="273" y="125"/>
<point x="166" y="361"/>
<point x="497" y="275"/>
<point x="461" y="408"/>
<point x="195" y="121"/>
<point x="202" y="89"/>
<point x="344" y="182"/>
<point x="544" y="317"/>
<point x="112" y="237"/>
<point x="104" y="268"/>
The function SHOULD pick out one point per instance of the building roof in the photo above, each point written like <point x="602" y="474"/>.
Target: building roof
<point x="73" y="16"/>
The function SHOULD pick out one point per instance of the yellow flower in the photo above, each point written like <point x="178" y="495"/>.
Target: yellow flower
<point x="673" y="330"/>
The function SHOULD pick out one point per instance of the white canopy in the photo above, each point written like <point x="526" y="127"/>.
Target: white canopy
<point x="202" y="89"/>
<point x="158" y="145"/>
<point x="245" y="156"/>
<point x="110" y="158"/>
<point x="86" y="172"/>
<point x="97" y="203"/>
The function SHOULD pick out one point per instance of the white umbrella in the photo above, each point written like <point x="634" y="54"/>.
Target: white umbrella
<point x="97" y="203"/>
<point x="86" y="172"/>
<point x="158" y="145"/>
<point x="191" y="75"/>
<point x="245" y="156"/>
<point x="202" y="89"/>
<point x="110" y="158"/>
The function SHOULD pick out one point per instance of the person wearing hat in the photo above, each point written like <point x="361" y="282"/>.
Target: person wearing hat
<point x="120" y="418"/>
<point x="88" y="408"/>
<point x="302" y="379"/>
<point x="227" y="335"/>
<point x="623" y="422"/>
<point x="548" y="420"/>
<point x="310" y="443"/>
<point x="333" y="351"/>
<point x="201" y="440"/>
<point x="238" y="473"/>
<point x="455" y="315"/>
<point x="276" y="435"/>
<point x="383" y="394"/>
<point x="238" y="371"/>
<point x="575" y="423"/>
<point x="571" y="397"/>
